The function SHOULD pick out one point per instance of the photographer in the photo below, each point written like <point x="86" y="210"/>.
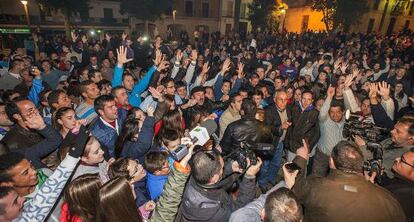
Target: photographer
<point x="204" y="199"/>
<point x="247" y="129"/>
<point x="402" y="140"/>
<point x="344" y="195"/>
<point x="402" y="185"/>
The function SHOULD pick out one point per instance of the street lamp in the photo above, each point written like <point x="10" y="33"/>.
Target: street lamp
<point x="26" y="11"/>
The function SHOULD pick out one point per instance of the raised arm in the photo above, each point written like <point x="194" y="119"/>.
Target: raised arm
<point x="43" y="201"/>
<point x="119" y="68"/>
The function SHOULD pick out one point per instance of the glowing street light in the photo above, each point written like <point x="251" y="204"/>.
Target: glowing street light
<point x="26" y="11"/>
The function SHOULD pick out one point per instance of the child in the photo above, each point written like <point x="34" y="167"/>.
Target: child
<point x="158" y="168"/>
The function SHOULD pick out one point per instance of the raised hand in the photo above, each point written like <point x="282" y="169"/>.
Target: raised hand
<point x="74" y="36"/>
<point x="154" y="93"/>
<point x="331" y="91"/>
<point x="84" y="38"/>
<point x="163" y="65"/>
<point x="289" y="177"/>
<point x="122" y="56"/>
<point x="194" y="55"/>
<point x="35" y="121"/>
<point x="373" y="90"/>
<point x="226" y="66"/>
<point x="387" y="60"/>
<point x="384" y="90"/>
<point x="240" y="72"/>
<point x="158" y="57"/>
<point x="343" y="67"/>
<point x="178" y="56"/>
<point x="205" y="68"/>
<point x="107" y="37"/>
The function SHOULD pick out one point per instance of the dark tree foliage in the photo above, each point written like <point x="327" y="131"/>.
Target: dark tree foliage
<point x="340" y="14"/>
<point x="261" y="12"/>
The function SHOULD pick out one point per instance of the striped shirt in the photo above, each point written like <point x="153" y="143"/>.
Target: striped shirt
<point x="331" y="132"/>
<point x="85" y="111"/>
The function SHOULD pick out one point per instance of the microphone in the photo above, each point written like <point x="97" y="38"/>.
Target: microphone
<point x="201" y="134"/>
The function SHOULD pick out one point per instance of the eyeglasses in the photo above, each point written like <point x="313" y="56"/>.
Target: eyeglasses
<point x="137" y="167"/>
<point x="403" y="160"/>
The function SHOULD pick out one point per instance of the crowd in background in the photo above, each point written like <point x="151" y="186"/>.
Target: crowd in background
<point x="91" y="128"/>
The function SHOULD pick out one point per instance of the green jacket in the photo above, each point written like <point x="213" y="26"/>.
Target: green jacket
<point x="170" y="199"/>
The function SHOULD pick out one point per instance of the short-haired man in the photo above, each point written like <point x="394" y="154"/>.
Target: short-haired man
<point x="305" y="125"/>
<point x="202" y="201"/>
<point x="231" y="114"/>
<point x="282" y="205"/>
<point x="345" y="195"/>
<point x="89" y="91"/>
<point x="402" y="185"/>
<point x="109" y="123"/>
<point x="58" y="99"/>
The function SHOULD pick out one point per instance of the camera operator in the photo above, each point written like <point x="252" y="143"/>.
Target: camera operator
<point x="204" y="199"/>
<point x="402" y="185"/>
<point x="345" y="195"/>
<point x="247" y="129"/>
<point x="402" y="140"/>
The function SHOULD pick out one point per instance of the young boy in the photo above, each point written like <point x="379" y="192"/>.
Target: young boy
<point x="158" y="168"/>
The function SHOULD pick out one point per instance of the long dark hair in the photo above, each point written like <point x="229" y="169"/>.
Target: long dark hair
<point x="173" y="120"/>
<point x="116" y="202"/>
<point x="58" y="115"/>
<point x="81" y="196"/>
<point x="129" y="130"/>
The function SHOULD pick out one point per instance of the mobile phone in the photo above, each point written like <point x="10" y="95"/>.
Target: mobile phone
<point x="291" y="167"/>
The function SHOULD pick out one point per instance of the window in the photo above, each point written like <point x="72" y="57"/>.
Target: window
<point x="376" y="4"/>
<point x="108" y="13"/>
<point x="205" y="9"/>
<point x="229" y="9"/>
<point x="305" y="23"/>
<point x="370" y="25"/>
<point x="243" y="11"/>
<point x="188" y="8"/>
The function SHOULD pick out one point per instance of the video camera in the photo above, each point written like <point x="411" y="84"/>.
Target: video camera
<point x="250" y="151"/>
<point x="372" y="135"/>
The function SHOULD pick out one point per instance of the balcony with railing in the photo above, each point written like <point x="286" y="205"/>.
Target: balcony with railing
<point x="49" y="20"/>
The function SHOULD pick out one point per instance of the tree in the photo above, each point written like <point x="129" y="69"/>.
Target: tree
<point x="340" y="13"/>
<point x="68" y="8"/>
<point x="146" y="10"/>
<point x="261" y="13"/>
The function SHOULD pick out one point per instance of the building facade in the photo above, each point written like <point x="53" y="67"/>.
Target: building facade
<point x="383" y="16"/>
<point x="104" y="15"/>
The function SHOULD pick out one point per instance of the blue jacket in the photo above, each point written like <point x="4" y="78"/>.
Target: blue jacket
<point x="140" y="188"/>
<point x="107" y="135"/>
<point x="219" y="83"/>
<point x="155" y="185"/>
<point x="135" y="95"/>
<point x="138" y="149"/>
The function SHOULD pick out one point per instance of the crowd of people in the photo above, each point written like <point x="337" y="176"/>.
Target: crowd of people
<point x="103" y="129"/>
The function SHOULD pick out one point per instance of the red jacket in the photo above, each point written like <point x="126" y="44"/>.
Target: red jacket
<point x="65" y="214"/>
